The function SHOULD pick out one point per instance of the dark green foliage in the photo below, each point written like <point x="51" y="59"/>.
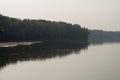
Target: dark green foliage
<point x="1" y="28"/>
<point x="36" y="30"/>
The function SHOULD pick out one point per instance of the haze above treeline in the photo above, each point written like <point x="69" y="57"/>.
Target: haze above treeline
<point x="93" y="14"/>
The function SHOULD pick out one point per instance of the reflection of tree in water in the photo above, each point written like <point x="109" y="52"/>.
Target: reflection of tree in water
<point x="42" y="51"/>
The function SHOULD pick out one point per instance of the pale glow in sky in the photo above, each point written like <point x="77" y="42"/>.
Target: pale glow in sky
<point x="93" y="14"/>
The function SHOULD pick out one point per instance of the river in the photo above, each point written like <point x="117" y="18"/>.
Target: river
<point x="61" y="62"/>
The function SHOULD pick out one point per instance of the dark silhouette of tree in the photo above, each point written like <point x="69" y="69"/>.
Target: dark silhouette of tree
<point x="36" y="30"/>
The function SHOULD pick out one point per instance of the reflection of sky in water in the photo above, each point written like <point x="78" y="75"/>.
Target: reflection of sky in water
<point x="98" y="62"/>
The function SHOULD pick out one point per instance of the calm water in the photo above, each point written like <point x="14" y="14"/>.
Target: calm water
<point x="60" y="62"/>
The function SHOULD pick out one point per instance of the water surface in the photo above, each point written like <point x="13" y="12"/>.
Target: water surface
<point x="61" y="62"/>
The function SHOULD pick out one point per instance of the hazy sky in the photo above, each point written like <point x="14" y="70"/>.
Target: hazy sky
<point x="94" y="14"/>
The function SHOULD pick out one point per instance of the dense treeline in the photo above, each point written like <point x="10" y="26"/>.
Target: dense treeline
<point x="35" y="30"/>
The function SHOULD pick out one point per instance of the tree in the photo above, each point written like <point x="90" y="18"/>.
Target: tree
<point x="1" y="29"/>
<point x="40" y="30"/>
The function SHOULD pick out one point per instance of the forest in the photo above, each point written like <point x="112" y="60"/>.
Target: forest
<point x="13" y="29"/>
<point x="103" y="36"/>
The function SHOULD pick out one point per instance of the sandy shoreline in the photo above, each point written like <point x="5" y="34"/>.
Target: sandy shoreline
<point x="11" y="44"/>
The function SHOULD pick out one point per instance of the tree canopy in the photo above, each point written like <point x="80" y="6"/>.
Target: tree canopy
<point x="40" y="30"/>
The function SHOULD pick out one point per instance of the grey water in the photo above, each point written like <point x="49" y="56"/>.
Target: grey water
<point x="61" y="62"/>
